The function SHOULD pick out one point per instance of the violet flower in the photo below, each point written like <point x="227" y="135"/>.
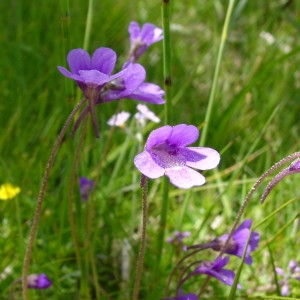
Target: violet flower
<point x="85" y="188"/>
<point x="166" y="154"/>
<point x="93" y="76"/>
<point x="293" y="273"/>
<point x="178" y="237"/>
<point x="215" y="269"/>
<point x="142" y="38"/>
<point x="38" y="281"/>
<point x="238" y="241"/>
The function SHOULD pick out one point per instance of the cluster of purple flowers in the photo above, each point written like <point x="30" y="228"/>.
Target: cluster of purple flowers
<point x="241" y="237"/>
<point x="93" y="75"/>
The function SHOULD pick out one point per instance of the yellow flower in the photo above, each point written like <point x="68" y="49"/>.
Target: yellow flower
<point x="8" y="191"/>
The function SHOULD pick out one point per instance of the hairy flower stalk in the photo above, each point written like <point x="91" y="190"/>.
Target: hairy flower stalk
<point x="292" y="169"/>
<point x="41" y="196"/>
<point x="260" y="180"/>
<point x="140" y="262"/>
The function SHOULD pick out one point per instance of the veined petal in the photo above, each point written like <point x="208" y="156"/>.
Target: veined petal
<point x="148" y="92"/>
<point x="94" y="77"/>
<point x="104" y="60"/>
<point x="185" y="178"/>
<point x="78" y="59"/>
<point x="145" y="164"/>
<point x="67" y="73"/>
<point x="158" y="136"/>
<point x="183" y="135"/>
<point x="131" y="77"/>
<point x="210" y="161"/>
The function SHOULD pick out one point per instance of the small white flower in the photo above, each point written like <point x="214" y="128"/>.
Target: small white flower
<point x="119" y="119"/>
<point x="268" y="37"/>
<point x="145" y="114"/>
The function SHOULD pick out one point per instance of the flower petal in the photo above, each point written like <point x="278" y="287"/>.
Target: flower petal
<point x="185" y="178"/>
<point x="183" y="135"/>
<point x="104" y="60"/>
<point x="78" y="59"/>
<point x="93" y="77"/>
<point x="148" y="92"/>
<point x="134" y="30"/>
<point x="211" y="160"/>
<point x="145" y="164"/>
<point x="158" y="136"/>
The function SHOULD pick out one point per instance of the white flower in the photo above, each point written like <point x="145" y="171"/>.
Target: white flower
<point x="119" y="119"/>
<point x="145" y="114"/>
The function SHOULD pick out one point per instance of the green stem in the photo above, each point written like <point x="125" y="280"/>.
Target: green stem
<point x="216" y="73"/>
<point x="41" y="196"/>
<point x="88" y="25"/>
<point x="168" y="117"/>
<point x="167" y="59"/>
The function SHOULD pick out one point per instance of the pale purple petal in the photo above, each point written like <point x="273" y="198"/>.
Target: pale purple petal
<point x="211" y="160"/>
<point x="147" y="33"/>
<point x="279" y="271"/>
<point x="93" y="77"/>
<point x="184" y="135"/>
<point x="68" y="74"/>
<point x="134" y="30"/>
<point x="148" y="92"/>
<point x="185" y="178"/>
<point x="158" y="136"/>
<point x="132" y="77"/>
<point x="245" y="224"/>
<point x="104" y="60"/>
<point x="78" y="59"/>
<point x="147" y="166"/>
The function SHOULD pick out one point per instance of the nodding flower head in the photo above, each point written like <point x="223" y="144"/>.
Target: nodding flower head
<point x="238" y="241"/>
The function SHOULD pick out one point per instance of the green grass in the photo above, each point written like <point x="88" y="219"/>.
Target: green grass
<point x="254" y="123"/>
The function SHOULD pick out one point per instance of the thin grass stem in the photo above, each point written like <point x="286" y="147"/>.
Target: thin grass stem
<point x="216" y="73"/>
<point x="88" y="25"/>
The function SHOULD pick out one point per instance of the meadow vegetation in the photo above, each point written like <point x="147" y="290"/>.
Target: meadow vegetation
<point x="254" y="124"/>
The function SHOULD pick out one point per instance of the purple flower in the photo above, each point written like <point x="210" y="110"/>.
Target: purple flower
<point x="93" y="76"/>
<point x="177" y="238"/>
<point x="166" y="154"/>
<point x="142" y="38"/>
<point x="38" y="281"/>
<point x="293" y="273"/>
<point x="85" y="187"/>
<point x="238" y="241"/>
<point x="216" y="269"/>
